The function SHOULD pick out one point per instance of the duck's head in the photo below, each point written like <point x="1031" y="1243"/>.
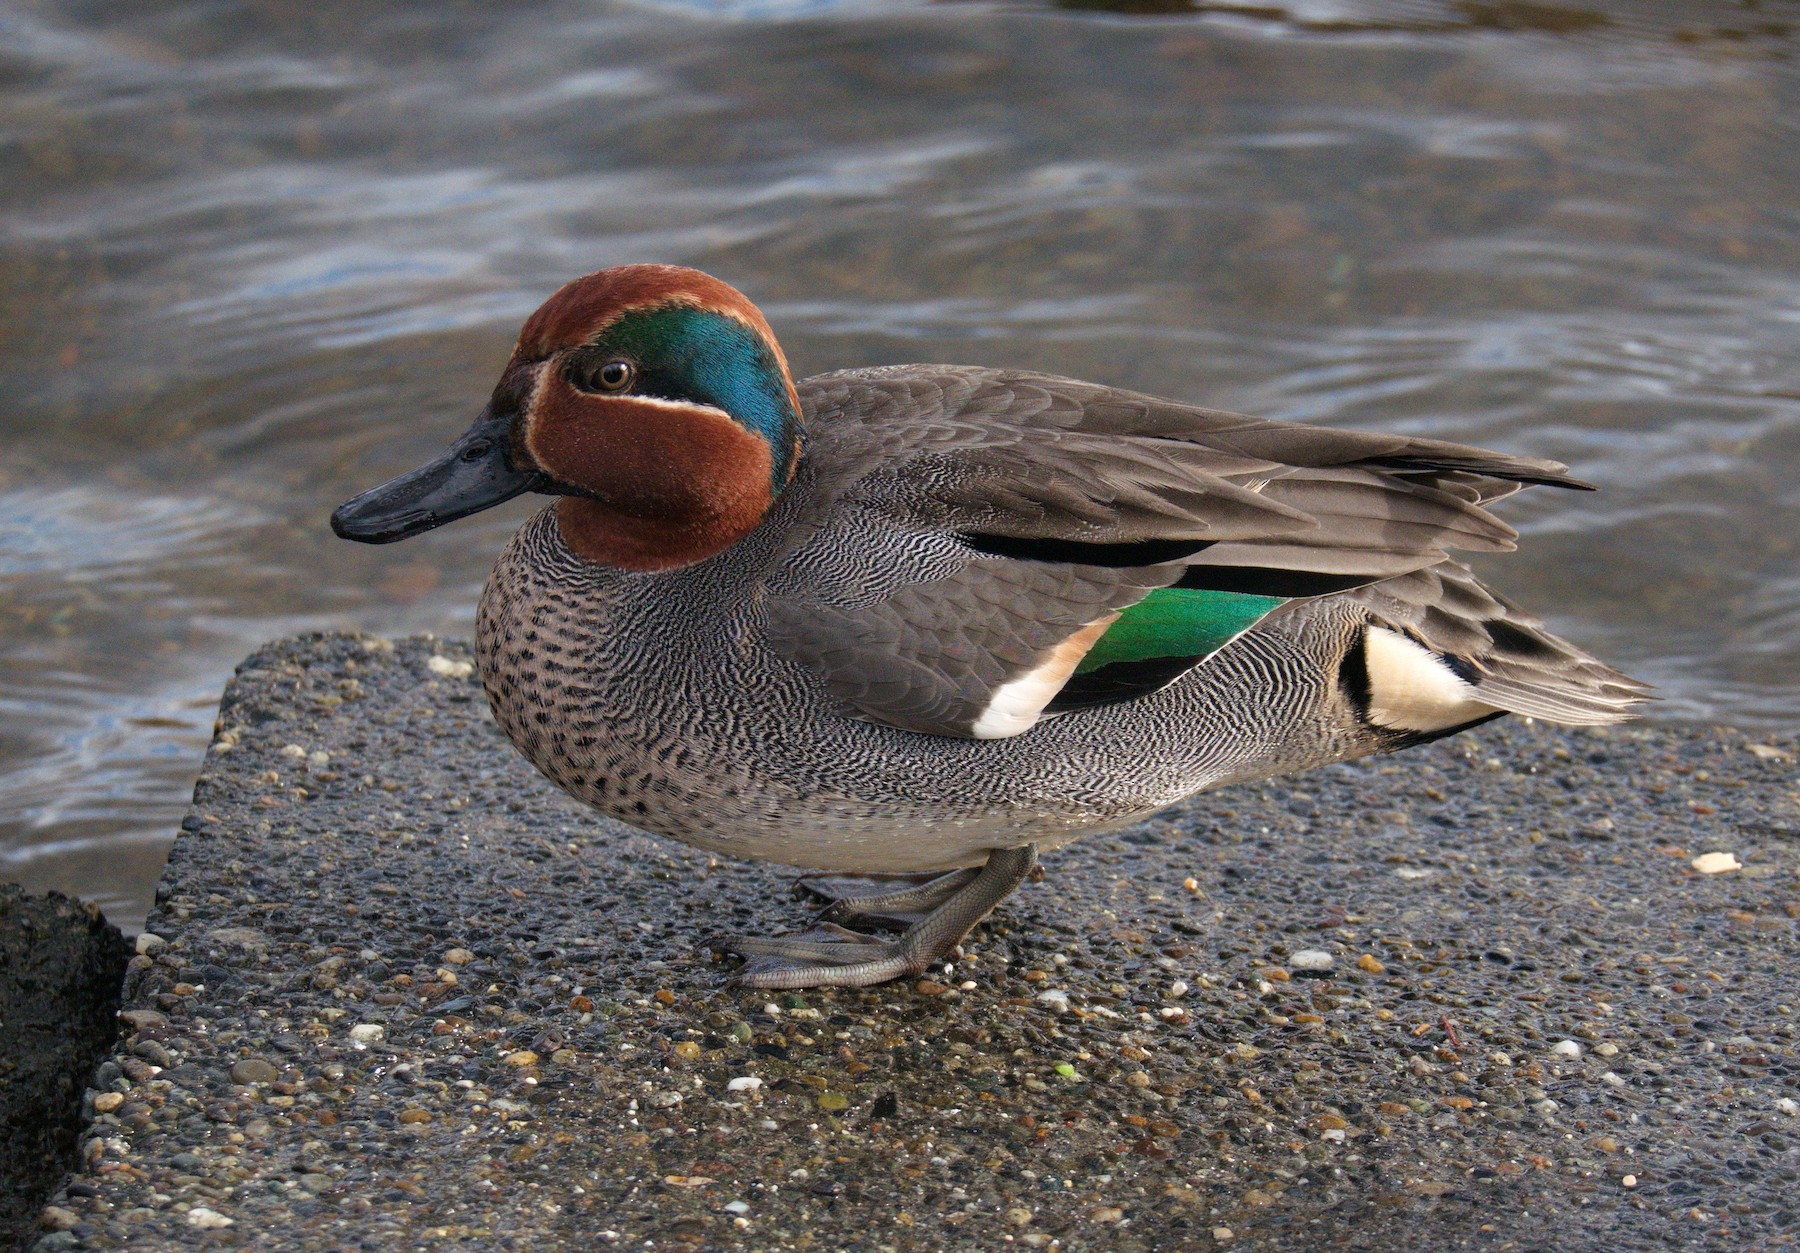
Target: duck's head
<point x="652" y="398"/>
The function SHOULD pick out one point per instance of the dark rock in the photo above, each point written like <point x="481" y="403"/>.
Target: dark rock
<point x="61" y="964"/>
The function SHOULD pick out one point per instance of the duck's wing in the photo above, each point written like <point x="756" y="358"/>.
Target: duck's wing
<point x="982" y="548"/>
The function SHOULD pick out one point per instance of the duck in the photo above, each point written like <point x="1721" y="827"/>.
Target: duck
<point x="909" y="627"/>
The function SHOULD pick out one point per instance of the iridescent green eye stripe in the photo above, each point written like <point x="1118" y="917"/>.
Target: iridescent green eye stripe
<point x="1177" y="622"/>
<point x="704" y="356"/>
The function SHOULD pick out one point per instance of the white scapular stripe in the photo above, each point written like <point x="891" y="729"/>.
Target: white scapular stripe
<point x="1018" y="705"/>
<point x="1410" y="687"/>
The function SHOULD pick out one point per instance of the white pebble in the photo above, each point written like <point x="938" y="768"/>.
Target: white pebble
<point x="1613" y="1077"/>
<point x="293" y="750"/>
<point x="1413" y="872"/>
<point x="1716" y="863"/>
<point x="744" y="1083"/>
<point x="1629" y="1181"/>
<point x="364" y="1034"/>
<point x="1178" y="989"/>
<point x="207" y="1219"/>
<point x="1788" y="1106"/>
<point x="1059" y="1001"/>
<point x="1311" y="959"/>
<point x="450" y="669"/>
<point x="739" y="1208"/>
<point x="1566" y="1048"/>
<point x="1606" y="1048"/>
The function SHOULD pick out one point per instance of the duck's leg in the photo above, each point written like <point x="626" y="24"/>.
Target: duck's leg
<point x="886" y="906"/>
<point x="831" y="956"/>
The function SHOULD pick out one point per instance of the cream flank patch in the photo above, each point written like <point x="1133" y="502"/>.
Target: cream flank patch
<point x="1017" y="705"/>
<point x="1411" y="689"/>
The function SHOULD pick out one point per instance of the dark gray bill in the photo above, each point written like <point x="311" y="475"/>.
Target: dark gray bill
<point x="475" y="474"/>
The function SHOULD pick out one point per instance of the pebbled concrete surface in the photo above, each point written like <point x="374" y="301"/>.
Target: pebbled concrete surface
<point x="1474" y="996"/>
<point x="60" y="965"/>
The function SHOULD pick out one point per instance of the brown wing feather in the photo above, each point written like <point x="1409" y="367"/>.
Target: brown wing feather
<point x="906" y="583"/>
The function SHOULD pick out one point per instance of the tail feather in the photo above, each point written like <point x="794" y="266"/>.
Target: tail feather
<point x="1505" y="657"/>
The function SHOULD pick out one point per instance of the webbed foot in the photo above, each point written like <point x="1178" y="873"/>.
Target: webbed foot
<point x="882" y="903"/>
<point x="833" y="956"/>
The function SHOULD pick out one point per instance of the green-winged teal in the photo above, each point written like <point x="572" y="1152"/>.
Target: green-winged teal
<point x="928" y="620"/>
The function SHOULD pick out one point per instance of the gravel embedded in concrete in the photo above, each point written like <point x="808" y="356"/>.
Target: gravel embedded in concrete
<point x="490" y="1026"/>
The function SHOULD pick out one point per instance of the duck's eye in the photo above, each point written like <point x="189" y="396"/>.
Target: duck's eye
<point x="610" y="376"/>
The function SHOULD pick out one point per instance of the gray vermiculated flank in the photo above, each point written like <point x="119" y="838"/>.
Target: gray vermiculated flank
<point x="766" y="703"/>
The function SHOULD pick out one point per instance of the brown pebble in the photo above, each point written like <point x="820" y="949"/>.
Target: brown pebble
<point x="664" y="996"/>
<point x="926" y="987"/>
<point x="1369" y="965"/>
<point x="414" y="1116"/>
<point x="522" y="1058"/>
<point x="254" y="1070"/>
<point x="687" y="1050"/>
<point x="107" y="1102"/>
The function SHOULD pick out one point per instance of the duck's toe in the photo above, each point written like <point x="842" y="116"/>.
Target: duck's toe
<point x="897" y="902"/>
<point x="825" y="956"/>
<point x="833" y="956"/>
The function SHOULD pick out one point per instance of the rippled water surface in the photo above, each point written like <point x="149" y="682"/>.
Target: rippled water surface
<point x="256" y="257"/>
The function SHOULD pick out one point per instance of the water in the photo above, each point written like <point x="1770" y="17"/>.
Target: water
<point x="257" y="257"/>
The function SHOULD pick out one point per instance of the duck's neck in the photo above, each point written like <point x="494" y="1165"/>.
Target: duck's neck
<point x="596" y="531"/>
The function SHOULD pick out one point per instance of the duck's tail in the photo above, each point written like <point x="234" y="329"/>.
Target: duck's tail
<point x="1441" y="652"/>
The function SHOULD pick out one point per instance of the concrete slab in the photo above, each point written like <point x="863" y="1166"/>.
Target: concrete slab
<point x="1475" y="996"/>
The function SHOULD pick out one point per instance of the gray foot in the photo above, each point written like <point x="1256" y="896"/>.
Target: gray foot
<point x="897" y="903"/>
<point x="832" y="956"/>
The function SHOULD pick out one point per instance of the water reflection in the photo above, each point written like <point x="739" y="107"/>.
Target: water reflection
<point x="254" y="258"/>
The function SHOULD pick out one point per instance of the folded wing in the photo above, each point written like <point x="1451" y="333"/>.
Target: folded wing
<point x="986" y="548"/>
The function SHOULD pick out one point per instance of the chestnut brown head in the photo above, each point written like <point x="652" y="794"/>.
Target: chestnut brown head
<point x="652" y="398"/>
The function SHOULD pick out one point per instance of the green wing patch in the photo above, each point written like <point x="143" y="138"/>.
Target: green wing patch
<point x="1177" y="622"/>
